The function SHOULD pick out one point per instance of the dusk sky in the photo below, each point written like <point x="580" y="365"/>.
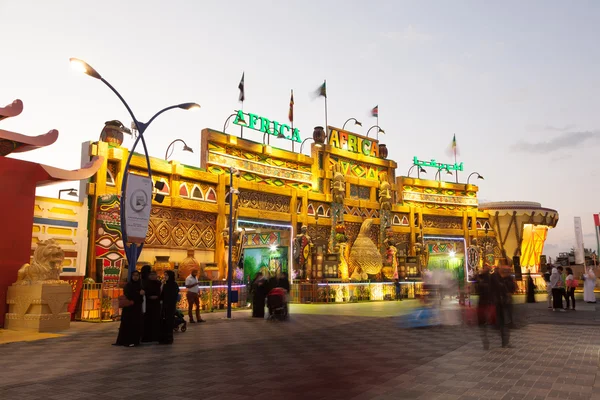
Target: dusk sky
<point x="516" y="81"/>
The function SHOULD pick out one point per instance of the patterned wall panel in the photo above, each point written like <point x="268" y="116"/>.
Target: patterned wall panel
<point x="442" y="222"/>
<point x="357" y="169"/>
<point x="264" y="201"/>
<point x="109" y="241"/>
<point x="183" y="229"/>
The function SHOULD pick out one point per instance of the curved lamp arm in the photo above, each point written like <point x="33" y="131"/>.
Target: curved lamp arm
<point x="227" y="121"/>
<point x="410" y="170"/>
<point x="474" y="173"/>
<point x="185" y="148"/>
<point x="356" y="122"/>
<point x="378" y="129"/>
<point x="302" y="144"/>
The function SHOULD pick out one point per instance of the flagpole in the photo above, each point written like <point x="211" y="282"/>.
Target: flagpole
<point x="455" y="146"/>
<point x="241" y="126"/>
<point x="326" y="124"/>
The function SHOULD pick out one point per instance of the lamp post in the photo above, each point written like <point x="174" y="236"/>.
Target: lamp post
<point x="378" y="130"/>
<point x="267" y="135"/>
<point x="420" y="171"/>
<point x="185" y="148"/>
<point x="302" y="144"/>
<point x="356" y="122"/>
<point x="132" y="250"/>
<point x="70" y="192"/>
<point x="439" y="173"/>
<point x="474" y="173"/>
<point x="232" y="171"/>
<point x="227" y="121"/>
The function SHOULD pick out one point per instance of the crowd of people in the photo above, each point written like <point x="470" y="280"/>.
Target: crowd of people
<point x="260" y="288"/>
<point x="560" y="283"/>
<point x="149" y="307"/>
<point x="495" y="303"/>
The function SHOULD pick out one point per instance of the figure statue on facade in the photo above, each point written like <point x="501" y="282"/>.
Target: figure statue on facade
<point x="422" y="254"/>
<point x="338" y="186"/>
<point x="392" y="257"/>
<point x="303" y="246"/>
<point x="385" y="194"/>
<point x="45" y="267"/>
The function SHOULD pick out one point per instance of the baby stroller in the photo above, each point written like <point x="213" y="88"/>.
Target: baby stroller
<point x="277" y="304"/>
<point x="180" y="324"/>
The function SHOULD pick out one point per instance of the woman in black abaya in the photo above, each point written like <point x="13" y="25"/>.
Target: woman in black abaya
<point x="169" y="296"/>
<point x="259" y="292"/>
<point x="130" y="330"/>
<point x="152" y="314"/>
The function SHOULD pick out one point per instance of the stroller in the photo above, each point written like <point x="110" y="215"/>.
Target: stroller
<point x="277" y="304"/>
<point x="179" y="324"/>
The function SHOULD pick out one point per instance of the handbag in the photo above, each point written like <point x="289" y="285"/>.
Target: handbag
<point x="124" y="301"/>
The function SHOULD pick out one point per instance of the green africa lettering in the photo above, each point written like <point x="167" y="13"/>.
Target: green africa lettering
<point x="265" y="125"/>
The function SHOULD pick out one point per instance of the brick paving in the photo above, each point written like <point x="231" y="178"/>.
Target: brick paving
<point x="319" y="354"/>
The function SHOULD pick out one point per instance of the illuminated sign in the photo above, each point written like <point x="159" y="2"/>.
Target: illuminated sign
<point x="435" y="164"/>
<point x="265" y="125"/>
<point x="344" y="140"/>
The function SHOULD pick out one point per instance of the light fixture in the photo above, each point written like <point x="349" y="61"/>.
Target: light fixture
<point x="185" y="148"/>
<point x="474" y="173"/>
<point x="316" y="143"/>
<point x="379" y="130"/>
<point x="70" y="192"/>
<point x="273" y="247"/>
<point x="82" y="66"/>
<point x="452" y="254"/>
<point x="356" y="122"/>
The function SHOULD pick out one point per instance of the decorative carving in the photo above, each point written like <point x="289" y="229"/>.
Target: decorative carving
<point x="442" y="222"/>
<point x="177" y="228"/>
<point x="364" y="256"/>
<point x="303" y="246"/>
<point x="264" y="201"/>
<point x="45" y="267"/>
<point x="338" y="186"/>
<point x="385" y="194"/>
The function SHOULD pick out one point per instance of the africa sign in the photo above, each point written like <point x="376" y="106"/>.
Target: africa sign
<point x="265" y="125"/>
<point x="344" y="140"/>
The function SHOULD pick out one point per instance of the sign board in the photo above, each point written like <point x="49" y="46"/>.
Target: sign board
<point x="354" y="143"/>
<point x="437" y="165"/>
<point x="138" y="202"/>
<point x="265" y="125"/>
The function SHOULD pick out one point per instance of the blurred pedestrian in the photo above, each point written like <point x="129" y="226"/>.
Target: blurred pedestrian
<point x="588" y="286"/>
<point x="130" y="330"/>
<point x="153" y="308"/>
<point x="563" y="287"/>
<point x="503" y="287"/>
<point x="548" y="284"/>
<point x="398" y="289"/>
<point x="259" y="294"/>
<point x="530" y="289"/>
<point x="485" y="308"/>
<point x="571" y="284"/>
<point x="556" y="284"/>
<point x="169" y="296"/>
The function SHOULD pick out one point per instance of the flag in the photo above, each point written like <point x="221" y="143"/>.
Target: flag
<point x="375" y="111"/>
<point x="322" y="90"/>
<point x="453" y="149"/>
<point x="291" y="112"/>
<point x="241" y="87"/>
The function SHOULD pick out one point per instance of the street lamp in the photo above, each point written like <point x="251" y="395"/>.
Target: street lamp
<point x="302" y="144"/>
<point x="228" y="118"/>
<point x="378" y="130"/>
<point x="132" y="250"/>
<point x="439" y="173"/>
<point x="420" y="171"/>
<point x="474" y="173"/>
<point x="70" y="192"/>
<point x="266" y="134"/>
<point x="356" y="122"/>
<point x="185" y="148"/>
<point x="232" y="171"/>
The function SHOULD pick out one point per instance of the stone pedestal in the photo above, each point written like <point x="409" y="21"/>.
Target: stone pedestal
<point x="39" y="307"/>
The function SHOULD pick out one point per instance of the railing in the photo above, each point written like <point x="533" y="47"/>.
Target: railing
<point x="338" y="291"/>
<point x="100" y="302"/>
<point x="213" y="296"/>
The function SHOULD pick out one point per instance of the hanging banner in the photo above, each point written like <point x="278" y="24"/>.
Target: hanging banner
<point x="138" y="202"/>
<point x="579" y="249"/>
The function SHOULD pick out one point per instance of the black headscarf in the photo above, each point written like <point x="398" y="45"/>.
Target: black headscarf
<point x="145" y="272"/>
<point x="170" y="290"/>
<point x="132" y="289"/>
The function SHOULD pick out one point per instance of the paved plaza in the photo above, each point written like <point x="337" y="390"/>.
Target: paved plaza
<point x="353" y="351"/>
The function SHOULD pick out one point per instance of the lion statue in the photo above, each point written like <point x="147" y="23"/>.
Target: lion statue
<point x="45" y="267"/>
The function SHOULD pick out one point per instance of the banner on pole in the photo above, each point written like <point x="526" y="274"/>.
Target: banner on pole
<point x="138" y="202"/>
<point x="579" y="249"/>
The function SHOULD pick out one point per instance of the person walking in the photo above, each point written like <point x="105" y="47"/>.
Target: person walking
<point x="548" y="285"/>
<point x="556" y="284"/>
<point x="153" y="308"/>
<point x="193" y="296"/>
<point x="130" y="330"/>
<point x="588" y="286"/>
<point x="259" y="293"/>
<point x="571" y="284"/>
<point x="398" y="289"/>
<point x="486" y="307"/>
<point x="169" y="295"/>
<point x="563" y="287"/>
<point x="503" y="286"/>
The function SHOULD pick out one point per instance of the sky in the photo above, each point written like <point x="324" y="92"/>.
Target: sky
<point x="517" y="82"/>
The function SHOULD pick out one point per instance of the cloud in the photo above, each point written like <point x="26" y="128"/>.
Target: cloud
<point x="564" y="141"/>
<point x="409" y="35"/>
<point x="550" y="128"/>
